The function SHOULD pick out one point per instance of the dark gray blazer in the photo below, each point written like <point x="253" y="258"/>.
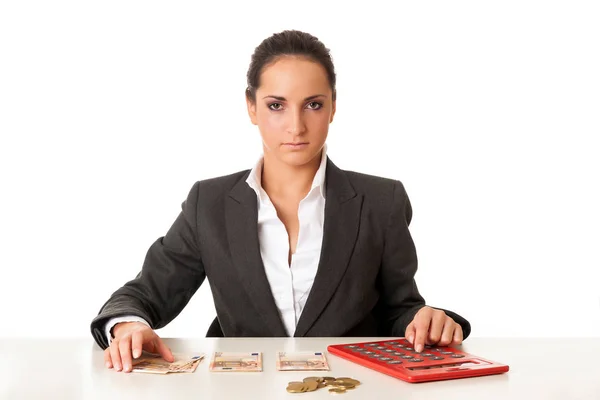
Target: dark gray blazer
<point x="364" y="284"/>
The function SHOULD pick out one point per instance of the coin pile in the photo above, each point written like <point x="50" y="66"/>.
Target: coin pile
<point x="312" y="383"/>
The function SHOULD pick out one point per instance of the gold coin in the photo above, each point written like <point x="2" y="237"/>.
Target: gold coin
<point x="321" y="385"/>
<point x="348" y="380"/>
<point x="311" y="386"/>
<point x="343" y="384"/>
<point x="296" y="387"/>
<point x="313" y="378"/>
<point x="337" y="390"/>
<point x="328" y="378"/>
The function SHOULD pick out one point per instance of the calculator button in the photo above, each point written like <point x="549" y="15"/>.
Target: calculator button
<point x="395" y="362"/>
<point x="426" y="354"/>
<point x="352" y="346"/>
<point x="415" y="360"/>
<point x="397" y="353"/>
<point x="389" y="350"/>
<point x="428" y="346"/>
<point x="406" y="357"/>
<point x="446" y="352"/>
<point x="381" y="347"/>
<point x="386" y="359"/>
<point x="401" y="346"/>
<point x="369" y="352"/>
<point x="377" y="355"/>
<point x="457" y="356"/>
<point x="437" y="358"/>
<point x="391" y="342"/>
<point x="409" y="349"/>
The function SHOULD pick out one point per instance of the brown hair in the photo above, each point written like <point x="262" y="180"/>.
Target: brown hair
<point x="288" y="43"/>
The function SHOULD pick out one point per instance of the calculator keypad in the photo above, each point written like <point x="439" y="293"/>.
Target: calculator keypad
<point x="398" y="352"/>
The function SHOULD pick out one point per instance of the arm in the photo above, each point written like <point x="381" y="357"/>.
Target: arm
<point x="400" y="297"/>
<point x="171" y="273"/>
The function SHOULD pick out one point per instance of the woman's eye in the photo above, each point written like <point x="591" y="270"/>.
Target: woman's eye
<point x="314" y="105"/>
<point x="275" y="106"/>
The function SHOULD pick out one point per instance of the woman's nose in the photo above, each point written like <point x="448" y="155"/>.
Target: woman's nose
<point x="296" y="124"/>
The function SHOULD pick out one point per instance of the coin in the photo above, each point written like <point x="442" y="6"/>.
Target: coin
<point x="343" y="384"/>
<point x="313" y="378"/>
<point x="313" y="383"/>
<point x="348" y="380"/>
<point x="311" y="386"/>
<point x="296" y="387"/>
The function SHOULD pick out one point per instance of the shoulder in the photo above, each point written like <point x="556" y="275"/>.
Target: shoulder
<point x="381" y="193"/>
<point x="209" y="190"/>
<point x="224" y="182"/>
<point x="373" y="185"/>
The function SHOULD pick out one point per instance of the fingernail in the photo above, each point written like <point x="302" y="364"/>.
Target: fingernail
<point x="127" y="367"/>
<point x="136" y="353"/>
<point x="410" y="338"/>
<point x="117" y="367"/>
<point x="107" y="364"/>
<point x="419" y="348"/>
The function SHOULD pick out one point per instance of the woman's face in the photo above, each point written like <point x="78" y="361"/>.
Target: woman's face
<point x="293" y="109"/>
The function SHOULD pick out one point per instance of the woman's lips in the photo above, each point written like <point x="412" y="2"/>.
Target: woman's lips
<point x="295" y="146"/>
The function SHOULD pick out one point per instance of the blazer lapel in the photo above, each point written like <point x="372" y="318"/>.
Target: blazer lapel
<point x="241" y="215"/>
<point x="340" y="231"/>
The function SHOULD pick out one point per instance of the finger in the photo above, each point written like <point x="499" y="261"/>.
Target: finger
<point x="125" y="350"/>
<point x="458" y="335"/>
<point x="436" y="329"/>
<point x="163" y="350"/>
<point x="107" y="360"/>
<point x="114" y="354"/>
<point x="422" y="323"/>
<point x="137" y="342"/>
<point x="409" y="333"/>
<point x="448" y="333"/>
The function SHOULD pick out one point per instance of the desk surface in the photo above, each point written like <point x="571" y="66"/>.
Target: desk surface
<point x="74" y="369"/>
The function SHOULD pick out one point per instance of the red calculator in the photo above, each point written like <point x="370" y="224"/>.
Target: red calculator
<point x="399" y="359"/>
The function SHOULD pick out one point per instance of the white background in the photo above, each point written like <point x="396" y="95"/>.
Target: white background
<point x="488" y="112"/>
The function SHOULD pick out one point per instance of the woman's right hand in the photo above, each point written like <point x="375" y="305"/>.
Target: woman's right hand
<point x="132" y="338"/>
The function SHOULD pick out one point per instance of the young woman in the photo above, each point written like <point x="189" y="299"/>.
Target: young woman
<point x="294" y="246"/>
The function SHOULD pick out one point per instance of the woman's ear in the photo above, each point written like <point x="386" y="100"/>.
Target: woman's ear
<point x="251" y="110"/>
<point x="332" y="111"/>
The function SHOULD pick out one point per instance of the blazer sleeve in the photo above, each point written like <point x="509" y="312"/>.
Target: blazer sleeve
<point x="400" y="296"/>
<point x="171" y="273"/>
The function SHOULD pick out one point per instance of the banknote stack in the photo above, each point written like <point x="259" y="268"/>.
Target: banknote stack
<point x="154" y="364"/>
<point x="302" y="361"/>
<point x="334" y="385"/>
<point x="236" y="362"/>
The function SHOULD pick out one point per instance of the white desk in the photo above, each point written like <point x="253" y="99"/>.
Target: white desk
<point x="74" y="369"/>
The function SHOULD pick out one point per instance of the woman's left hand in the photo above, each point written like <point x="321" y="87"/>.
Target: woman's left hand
<point x="431" y="326"/>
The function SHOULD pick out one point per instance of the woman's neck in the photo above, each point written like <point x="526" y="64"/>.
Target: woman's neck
<point x="288" y="181"/>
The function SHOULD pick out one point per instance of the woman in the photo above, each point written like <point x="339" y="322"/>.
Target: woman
<point x="293" y="247"/>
